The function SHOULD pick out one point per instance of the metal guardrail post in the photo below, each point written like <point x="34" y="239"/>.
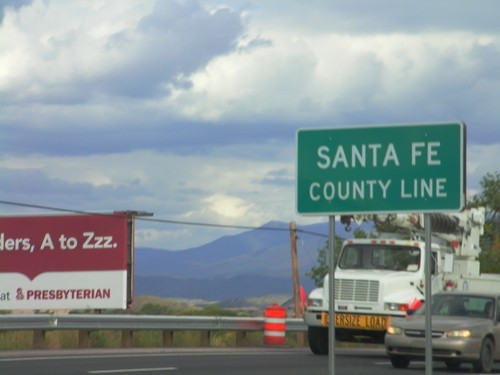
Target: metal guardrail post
<point x="127" y="339"/>
<point x="204" y="338"/>
<point x="84" y="340"/>
<point x="168" y="338"/>
<point x="241" y="338"/>
<point x="38" y="339"/>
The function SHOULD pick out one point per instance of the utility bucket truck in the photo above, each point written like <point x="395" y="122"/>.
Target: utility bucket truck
<point x="383" y="277"/>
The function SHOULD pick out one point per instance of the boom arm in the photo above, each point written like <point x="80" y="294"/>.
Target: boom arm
<point x="462" y="229"/>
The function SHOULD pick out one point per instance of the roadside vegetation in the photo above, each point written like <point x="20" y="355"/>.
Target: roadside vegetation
<point x="20" y="340"/>
<point x="489" y="197"/>
<point x="23" y="340"/>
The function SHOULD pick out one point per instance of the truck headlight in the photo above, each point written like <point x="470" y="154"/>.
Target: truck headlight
<point x="396" y="306"/>
<point x="314" y="302"/>
<point x="392" y="330"/>
<point x="462" y="333"/>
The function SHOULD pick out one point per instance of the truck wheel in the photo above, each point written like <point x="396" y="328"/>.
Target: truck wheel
<point x="400" y="361"/>
<point x="485" y="361"/>
<point x="318" y="340"/>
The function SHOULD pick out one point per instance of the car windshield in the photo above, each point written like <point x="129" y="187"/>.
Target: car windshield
<point x="461" y="305"/>
<point x="380" y="257"/>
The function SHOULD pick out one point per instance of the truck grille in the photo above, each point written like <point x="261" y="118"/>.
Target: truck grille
<point x="356" y="290"/>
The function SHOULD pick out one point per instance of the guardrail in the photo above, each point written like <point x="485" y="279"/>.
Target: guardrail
<point x="85" y="324"/>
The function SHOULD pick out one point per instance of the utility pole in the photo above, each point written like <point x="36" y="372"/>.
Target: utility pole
<point x="297" y="300"/>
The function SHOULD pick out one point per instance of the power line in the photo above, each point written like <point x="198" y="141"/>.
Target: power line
<point x="29" y="205"/>
<point x="229" y="226"/>
<point x="165" y="221"/>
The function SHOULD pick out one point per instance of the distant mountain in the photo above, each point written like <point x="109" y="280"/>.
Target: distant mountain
<point x="216" y="289"/>
<point x="250" y="264"/>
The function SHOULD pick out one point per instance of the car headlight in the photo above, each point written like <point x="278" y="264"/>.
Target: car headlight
<point x="392" y="330"/>
<point x="462" y="333"/>
<point x="314" y="302"/>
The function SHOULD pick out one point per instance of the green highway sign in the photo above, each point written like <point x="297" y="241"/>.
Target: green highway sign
<point x="366" y="169"/>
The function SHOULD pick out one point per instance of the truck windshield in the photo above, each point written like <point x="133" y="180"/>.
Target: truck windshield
<point x="380" y="257"/>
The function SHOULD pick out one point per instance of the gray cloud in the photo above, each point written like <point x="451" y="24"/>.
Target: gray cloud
<point x="175" y="40"/>
<point x="170" y="43"/>
<point x="191" y="112"/>
<point x="14" y="4"/>
<point x="392" y="16"/>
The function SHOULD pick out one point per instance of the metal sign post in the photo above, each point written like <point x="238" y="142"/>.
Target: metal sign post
<point x="428" y="291"/>
<point x="331" y="291"/>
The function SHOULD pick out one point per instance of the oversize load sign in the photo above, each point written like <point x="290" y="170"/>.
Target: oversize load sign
<point x="67" y="262"/>
<point x="413" y="168"/>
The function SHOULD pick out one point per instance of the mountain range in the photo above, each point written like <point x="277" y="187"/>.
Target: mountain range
<point x="254" y="263"/>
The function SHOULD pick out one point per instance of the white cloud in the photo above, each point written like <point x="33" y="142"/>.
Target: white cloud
<point x="82" y="50"/>
<point x="338" y="76"/>
<point x="227" y="207"/>
<point x="59" y="46"/>
<point x="481" y="159"/>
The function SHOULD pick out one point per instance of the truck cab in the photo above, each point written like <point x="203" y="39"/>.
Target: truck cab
<point x="374" y="280"/>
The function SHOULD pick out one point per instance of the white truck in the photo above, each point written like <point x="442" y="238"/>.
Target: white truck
<point x="381" y="277"/>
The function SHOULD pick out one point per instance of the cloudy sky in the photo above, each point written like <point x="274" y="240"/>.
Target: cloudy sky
<point x="189" y="109"/>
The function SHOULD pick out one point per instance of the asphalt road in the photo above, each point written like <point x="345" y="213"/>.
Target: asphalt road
<point x="225" y="361"/>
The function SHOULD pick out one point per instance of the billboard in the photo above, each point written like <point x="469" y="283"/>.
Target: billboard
<point x="65" y="262"/>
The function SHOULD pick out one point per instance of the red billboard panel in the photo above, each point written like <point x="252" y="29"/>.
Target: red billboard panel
<point x="65" y="262"/>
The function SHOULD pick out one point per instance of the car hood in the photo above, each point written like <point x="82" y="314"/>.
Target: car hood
<point x="441" y="323"/>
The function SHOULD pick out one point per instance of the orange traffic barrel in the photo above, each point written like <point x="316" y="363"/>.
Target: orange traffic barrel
<point x="274" y="325"/>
